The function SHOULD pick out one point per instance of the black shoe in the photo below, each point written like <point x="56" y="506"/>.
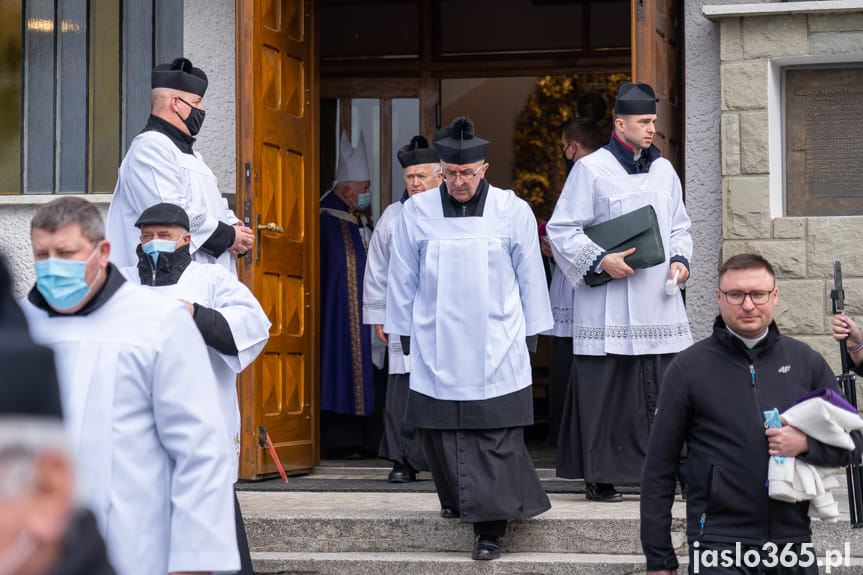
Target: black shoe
<point x="486" y="548"/>
<point x="604" y="492"/>
<point x="449" y="513"/>
<point x="401" y="474"/>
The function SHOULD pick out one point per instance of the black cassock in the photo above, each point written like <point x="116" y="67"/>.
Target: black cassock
<point x="607" y="415"/>
<point x="477" y="456"/>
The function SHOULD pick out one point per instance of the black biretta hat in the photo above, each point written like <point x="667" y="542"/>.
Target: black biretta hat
<point x="417" y="152"/>
<point x="635" y="99"/>
<point x="456" y="144"/>
<point x="31" y="388"/>
<point x="164" y="214"/>
<point x="179" y="75"/>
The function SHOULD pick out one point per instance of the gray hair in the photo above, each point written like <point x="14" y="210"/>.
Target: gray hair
<point x="22" y="440"/>
<point x="69" y="210"/>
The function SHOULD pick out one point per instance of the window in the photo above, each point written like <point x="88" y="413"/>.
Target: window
<point x="74" y="88"/>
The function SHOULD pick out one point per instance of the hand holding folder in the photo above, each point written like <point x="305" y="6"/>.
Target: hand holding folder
<point x="638" y="229"/>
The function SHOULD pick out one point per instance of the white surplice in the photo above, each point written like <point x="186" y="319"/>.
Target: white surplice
<point x="213" y="287"/>
<point x="633" y="315"/>
<point x="142" y="410"/>
<point x="375" y="284"/>
<point x="467" y="290"/>
<point x="153" y="171"/>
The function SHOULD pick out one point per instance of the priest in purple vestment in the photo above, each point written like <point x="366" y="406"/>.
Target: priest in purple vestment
<point x="348" y="426"/>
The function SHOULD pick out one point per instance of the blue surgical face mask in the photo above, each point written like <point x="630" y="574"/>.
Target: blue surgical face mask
<point x="62" y="282"/>
<point x="154" y="247"/>
<point x="363" y="200"/>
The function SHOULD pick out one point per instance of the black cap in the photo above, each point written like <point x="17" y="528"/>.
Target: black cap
<point x="29" y="387"/>
<point x="164" y="214"/>
<point x="417" y="152"/>
<point x="456" y="144"/>
<point x="179" y="75"/>
<point x="635" y="99"/>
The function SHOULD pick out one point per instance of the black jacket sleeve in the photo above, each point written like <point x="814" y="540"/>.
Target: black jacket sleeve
<point x="215" y="329"/>
<point x="221" y="240"/>
<point x="660" y="467"/>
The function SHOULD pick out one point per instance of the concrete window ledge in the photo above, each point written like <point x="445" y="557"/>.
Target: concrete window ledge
<point x="20" y="200"/>
<point x="782" y="8"/>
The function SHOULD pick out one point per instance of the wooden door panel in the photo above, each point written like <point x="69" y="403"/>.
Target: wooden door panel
<point x="278" y="136"/>
<point x="656" y="29"/>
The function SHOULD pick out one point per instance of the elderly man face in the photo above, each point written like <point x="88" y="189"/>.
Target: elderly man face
<point x="422" y="177"/>
<point x="350" y="192"/>
<point x="176" y="234"/>
<point x="462" y="180"/>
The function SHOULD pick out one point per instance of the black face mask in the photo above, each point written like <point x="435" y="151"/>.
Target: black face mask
<point x="569" y="165"/>
<point x="195" y="118"/>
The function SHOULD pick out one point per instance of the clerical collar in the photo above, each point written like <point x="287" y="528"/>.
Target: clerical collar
<point x="180" y="138"/>
<point x="748" y="342"/>
<point x="474" y="207"/>
<point x="624" y="154"/>
<point x="167" y="269"/>
<point x="113" y="280"/>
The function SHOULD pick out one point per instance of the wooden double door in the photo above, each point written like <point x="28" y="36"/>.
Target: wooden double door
<point x="279" y="183"/>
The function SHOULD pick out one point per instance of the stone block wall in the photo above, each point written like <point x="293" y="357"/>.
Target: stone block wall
<point x="801" y="249"/>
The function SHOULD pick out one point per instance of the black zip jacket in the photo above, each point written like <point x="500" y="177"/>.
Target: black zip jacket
<point x="713" y="398"/>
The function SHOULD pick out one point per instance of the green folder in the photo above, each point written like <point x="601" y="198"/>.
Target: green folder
<point x="638" y="229"/>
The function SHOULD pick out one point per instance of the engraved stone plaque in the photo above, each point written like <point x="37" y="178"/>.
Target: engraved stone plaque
<point x="824" y="142"/>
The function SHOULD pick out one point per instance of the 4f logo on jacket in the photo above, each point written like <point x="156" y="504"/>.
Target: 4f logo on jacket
<point x="784" y="369"/>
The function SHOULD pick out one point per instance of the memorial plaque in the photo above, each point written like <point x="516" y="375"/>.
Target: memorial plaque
<point x="824" y="142"/>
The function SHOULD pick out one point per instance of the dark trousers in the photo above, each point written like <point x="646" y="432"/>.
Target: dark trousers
<point x="490" y="528"/>
<point x="728" y="559"/>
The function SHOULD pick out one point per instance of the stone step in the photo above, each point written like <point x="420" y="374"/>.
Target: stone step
<point x="386" y="522"/>
<point x="449" y="563"/>
<point x="444" y="563"/>
<point x="328" y="522"/>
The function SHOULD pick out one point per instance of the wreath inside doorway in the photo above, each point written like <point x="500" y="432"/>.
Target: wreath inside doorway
<point x="539" y="169"/>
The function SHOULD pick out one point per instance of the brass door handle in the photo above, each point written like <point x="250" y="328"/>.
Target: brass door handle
<point x="271" y="227"/>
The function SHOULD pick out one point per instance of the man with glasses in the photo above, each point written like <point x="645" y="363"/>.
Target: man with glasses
<point x="161" y="166"/>
<point x="465" y="288"/>
<point x="626" y="331"/>
<point x="713" y="397"/>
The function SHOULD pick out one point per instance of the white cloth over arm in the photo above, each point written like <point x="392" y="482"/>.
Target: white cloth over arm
<point x="375" y="284"/>
<point x="153" y="171"/>
<point x="467" y="291"/>
<point x="791" y="479"/>
<point x="143" y="415"/>
<point x="632" y="315"/>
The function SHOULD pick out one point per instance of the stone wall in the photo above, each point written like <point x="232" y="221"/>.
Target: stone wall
<point x="752" y="44"/>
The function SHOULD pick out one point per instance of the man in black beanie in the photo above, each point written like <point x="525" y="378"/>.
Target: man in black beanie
<point x="465" y="288"/>
<point x="161" y="166"/>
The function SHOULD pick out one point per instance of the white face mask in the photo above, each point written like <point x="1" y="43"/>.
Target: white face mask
<point x="18" y="553"/>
